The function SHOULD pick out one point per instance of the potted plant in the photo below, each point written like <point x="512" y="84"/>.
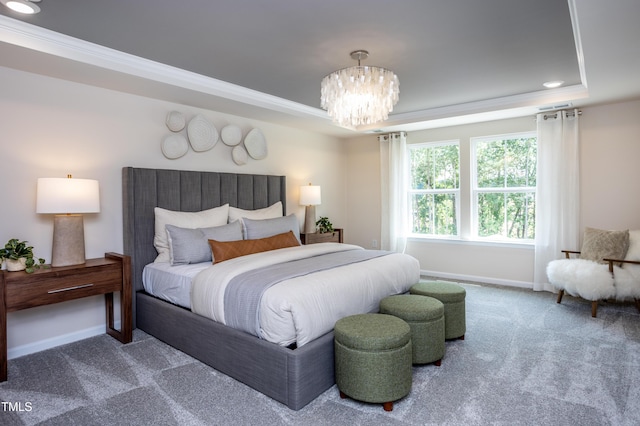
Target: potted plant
<point x="19" y="256"/>
<point x="324" y="225"/>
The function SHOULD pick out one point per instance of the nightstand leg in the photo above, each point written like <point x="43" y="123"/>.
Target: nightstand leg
<point x="3" y="331"/>
<point x="125" y="335"/>
<point x="3" y="347"/>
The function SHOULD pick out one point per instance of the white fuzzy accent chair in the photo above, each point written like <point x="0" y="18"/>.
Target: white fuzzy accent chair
<point x="605" y="274"/>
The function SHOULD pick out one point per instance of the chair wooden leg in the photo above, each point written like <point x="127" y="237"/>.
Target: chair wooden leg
<point x="560" y="294"/>
<point x="594" y="308"/>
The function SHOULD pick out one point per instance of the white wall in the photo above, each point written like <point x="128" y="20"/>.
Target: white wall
<point x="610" y="150"/>
<point x="610" y="162"/>
<point x="52" y="127"/>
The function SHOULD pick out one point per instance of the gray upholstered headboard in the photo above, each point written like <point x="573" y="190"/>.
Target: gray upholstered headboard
<point x="144" y="189"/>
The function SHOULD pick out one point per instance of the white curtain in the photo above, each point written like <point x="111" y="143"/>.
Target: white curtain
<point x="393" y="166"/>
<point x="558" y="191"/>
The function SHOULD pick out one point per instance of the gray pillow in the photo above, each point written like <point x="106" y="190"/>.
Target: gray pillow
<point x="192" y="245"/>
<point x="256" y="229"/>
<point x="598" y="244"/>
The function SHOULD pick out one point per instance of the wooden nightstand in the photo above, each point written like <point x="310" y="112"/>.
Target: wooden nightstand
<point x="328" y="237"/>
<point x="106" y="275"/>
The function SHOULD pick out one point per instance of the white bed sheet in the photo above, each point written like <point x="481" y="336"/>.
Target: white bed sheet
<point x="304" y="308"/>
<point x="171" y="283"/>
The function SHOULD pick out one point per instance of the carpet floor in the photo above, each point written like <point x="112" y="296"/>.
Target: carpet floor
<point x="525" y="360"/>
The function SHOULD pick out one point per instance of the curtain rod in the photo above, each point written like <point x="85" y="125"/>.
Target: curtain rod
<point x="570" y="113"/>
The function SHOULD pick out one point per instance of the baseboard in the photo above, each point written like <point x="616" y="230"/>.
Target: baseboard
<point x="475" y="279"/>
<point x="52" y="342"/>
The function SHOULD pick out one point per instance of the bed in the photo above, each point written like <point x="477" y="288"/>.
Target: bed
<point x="293" y="377"/>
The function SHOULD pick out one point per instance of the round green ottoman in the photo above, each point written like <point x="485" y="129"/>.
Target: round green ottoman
<point x="425" y="316"/>
<point x="373" y="358"/>
<point x="452" y="296"/>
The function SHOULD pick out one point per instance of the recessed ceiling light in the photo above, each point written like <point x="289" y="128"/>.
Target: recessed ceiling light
<point x="22" y="6"/>
<point x="553" y="84"/>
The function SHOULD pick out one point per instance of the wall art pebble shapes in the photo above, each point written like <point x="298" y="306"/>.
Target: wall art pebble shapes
<point x="202" y="135"/>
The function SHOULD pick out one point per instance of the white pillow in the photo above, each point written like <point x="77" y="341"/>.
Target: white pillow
<point x="273" y="211"/>
<point x="633" y="252"/>
<point x="216" y="216"/>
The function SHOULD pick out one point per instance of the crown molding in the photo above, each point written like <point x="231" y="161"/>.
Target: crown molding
<point x="39" y="39"/>
<point x="485" y="110"/>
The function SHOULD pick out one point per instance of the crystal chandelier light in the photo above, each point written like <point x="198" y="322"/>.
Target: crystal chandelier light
<point x="359" y="95"/>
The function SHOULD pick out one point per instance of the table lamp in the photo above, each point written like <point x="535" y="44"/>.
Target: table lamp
<point x="67" y="198"/>
<point x="310" y="197"/>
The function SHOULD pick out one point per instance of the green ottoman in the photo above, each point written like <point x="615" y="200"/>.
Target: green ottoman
<point x="425" y="316"/>
<point x="452" y="296"/>
<point x="373" y="358"/>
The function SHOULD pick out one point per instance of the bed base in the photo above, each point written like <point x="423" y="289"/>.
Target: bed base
<point x="292" y="377"/>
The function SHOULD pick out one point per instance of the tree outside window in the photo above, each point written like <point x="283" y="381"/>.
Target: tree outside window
<point x="434" y="188"/>
<point x="504" y="185"/>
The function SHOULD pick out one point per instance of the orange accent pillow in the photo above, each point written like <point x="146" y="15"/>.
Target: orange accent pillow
<point x="225" y="250"/>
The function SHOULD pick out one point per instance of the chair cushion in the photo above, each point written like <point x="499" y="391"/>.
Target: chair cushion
<point x="582" y="278"/>
<point x="598" y="244"/>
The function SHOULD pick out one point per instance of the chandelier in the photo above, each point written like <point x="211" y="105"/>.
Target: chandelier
<point x="359" y="95"/>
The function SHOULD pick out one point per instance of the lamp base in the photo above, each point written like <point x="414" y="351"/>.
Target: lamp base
<point x="68" y="240"/>
<point x="310" y="219"/>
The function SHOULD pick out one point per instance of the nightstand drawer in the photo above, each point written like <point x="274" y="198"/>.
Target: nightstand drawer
<point x="58" y="286"/>
<point x="328" y="237"/>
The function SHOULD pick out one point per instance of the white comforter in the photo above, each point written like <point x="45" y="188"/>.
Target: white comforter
<point x="304" y="308"/>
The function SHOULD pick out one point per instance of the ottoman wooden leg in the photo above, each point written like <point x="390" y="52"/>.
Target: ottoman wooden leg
<point x="388" y="406"/>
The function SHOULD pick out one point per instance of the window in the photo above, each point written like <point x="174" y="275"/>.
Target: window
<point x="504" y="186"/>
<point x="434" y="188"/>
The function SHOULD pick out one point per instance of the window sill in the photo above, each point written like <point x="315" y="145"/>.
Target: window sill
<point x="486" y="243"/>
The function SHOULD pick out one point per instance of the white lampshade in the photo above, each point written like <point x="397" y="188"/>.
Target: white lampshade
<point x="310" y="195"/>
<point x="68" y="195"/>
<point x="67" y="198"/>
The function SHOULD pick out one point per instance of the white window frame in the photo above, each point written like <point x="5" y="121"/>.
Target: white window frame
<point x="475" y="191"/>
<point x="411" y="192"/>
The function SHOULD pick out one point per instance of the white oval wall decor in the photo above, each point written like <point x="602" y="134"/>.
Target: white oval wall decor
<point x="202" y="134"/>
<point x="231" y="135"/>
<point x="174" y="146"/>
<point x="175" y="121"/>
<point x="239" y="155"/>
<point x="256" y="144"/>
